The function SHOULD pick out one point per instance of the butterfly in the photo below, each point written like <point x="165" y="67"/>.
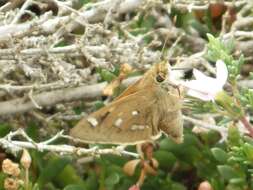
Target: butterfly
<point x="144" y="111"/>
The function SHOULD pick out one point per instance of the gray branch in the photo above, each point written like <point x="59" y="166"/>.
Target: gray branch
<point x="20" y="105"/>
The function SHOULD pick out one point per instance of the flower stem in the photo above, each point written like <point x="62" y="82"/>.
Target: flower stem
<point x="247" y="125"/>
<point x="141" y="178"/>
<point x="26" y="179"/>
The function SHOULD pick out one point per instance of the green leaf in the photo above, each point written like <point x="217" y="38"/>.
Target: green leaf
<point x="234" y="137"/>
<point x="227" y="172"/>
<point x="112" y="179"/>
<point x="115" y="160"/>
<point x="69" y="176"/>
<point x="146" y="23"/>
<point x="210" y="138"/>
<point x="178" y="186"/>
<point x="33" y="130"/>
<point x="53" y="168"/>
<point x="84" y="1"/>
<point x="217" y="184"/>
<point x="248" y="150"/>
<point x="220" y="155"/>
<point x="107" y="75"/>
<point x="35" y="187"/>
<point x="237" y="181"/>
<point x="61" y="44"/>
<point x="99" y="104"/>
<point x="4" y="129"/>
<point x="74" y="187"/>
<point x="202" y="29"/>
<point x="2" y="177"/>
<point x="92" y="181"/>
<point x="165" y="159"/>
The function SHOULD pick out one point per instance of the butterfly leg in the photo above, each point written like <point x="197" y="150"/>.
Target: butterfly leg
<point x="148" y="164"/>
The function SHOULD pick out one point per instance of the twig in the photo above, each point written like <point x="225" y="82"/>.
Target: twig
<point x="20" y="105"/>
<point x="247" y="125"/>
<point x="5" y="7"/>
<point x="245" y="83"/>
<point x="204" y="124"/>
<point x="16" y="145"/>
<point x="30" y="95"/>
<point x="220" y="129"/>
<point x="48" y="86"/>
<point x="21" y="11"/>
<point x="201" y="5"/>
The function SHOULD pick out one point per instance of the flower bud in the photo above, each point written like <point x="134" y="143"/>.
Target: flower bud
<point x="26" y="159"/>
<point x="205" y="185"/>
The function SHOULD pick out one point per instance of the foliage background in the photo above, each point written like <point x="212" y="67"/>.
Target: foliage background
<point x="101" y="43"/>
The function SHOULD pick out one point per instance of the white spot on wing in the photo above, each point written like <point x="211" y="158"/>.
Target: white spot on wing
<point x="92" y="121"/>
<point x="135" y="113"/>
<point x="118" y="122"/>
<point x="138" y="127"/>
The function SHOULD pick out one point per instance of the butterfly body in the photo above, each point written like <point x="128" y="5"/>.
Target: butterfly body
<point x="139" y="114"/>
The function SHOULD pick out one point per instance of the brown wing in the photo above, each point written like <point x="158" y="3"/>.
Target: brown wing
<point x="171" y="122"/>
<point x="135" y="87"/>
<point x="128" y="120"/>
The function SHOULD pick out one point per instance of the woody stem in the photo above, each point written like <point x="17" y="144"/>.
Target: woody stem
<point x="247" y="125"/>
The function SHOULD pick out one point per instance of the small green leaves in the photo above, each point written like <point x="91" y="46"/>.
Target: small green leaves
<point x="218" y="49"/>
<point x="246" y="98"/>
<point x="4" y="129"/>
<point x="215" y="45"/>
<point x="165" y="159"/>
<point x="234" y="137"/>
<point x="99" y="104"/>
<point x="220" y="155"/>
<point x="107" y="75"/>
<point x="53" y="168"/>
<point x="227" y="172"/>
<point x="145" y="23"/>
<point x="73" y="187"/>
<point x="112" y="179"/>
<point x="248" y="151"/>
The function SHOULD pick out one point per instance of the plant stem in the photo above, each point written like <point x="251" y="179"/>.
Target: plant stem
<point x="247" y="125"/>
<point x="26" y="179"/>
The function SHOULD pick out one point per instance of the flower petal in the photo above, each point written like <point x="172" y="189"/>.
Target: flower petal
<point x="221" y="72"/>
<point x="205" y="87"/>
<point x="199" y="95"/>
<point x="193" y="84"/>
<point x="199" y="75"/>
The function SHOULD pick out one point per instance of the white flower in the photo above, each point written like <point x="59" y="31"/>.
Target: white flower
<point x="205" y="87"/>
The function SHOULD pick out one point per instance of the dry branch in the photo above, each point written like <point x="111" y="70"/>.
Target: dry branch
<point x="45" y="99"/>
<point x="17" y="145"/>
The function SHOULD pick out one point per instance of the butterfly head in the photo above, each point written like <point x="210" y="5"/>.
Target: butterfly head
<point x="160" y="75"/>
<point x="160" y="72"/>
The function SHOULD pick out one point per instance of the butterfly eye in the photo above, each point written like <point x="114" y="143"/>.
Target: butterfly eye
<point x="159" y="78"/>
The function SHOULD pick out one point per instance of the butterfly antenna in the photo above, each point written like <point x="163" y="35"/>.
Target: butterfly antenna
<point x="171" y="50"/>
<point x="163" y="48"/>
